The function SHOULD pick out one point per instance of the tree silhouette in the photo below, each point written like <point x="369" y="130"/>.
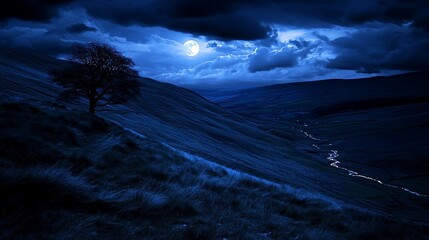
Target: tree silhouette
<point x="99" y="73"/>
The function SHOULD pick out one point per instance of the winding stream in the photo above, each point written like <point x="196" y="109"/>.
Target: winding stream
<point x="333" y="158"/>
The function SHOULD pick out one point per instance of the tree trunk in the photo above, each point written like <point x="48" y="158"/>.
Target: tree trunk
<point x="92" y="104"/>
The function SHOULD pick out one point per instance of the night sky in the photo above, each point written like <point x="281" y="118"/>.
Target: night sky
<point x="243" y="43"/>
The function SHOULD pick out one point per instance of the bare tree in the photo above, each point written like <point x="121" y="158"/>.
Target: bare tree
<point x="99" y="73"/>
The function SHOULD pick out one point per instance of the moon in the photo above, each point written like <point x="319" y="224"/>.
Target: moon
<point x="191" y="48"/>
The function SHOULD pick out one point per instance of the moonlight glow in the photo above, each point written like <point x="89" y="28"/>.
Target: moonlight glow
<point x="191" y="48"/>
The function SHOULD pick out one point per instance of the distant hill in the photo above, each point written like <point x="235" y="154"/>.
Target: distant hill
<point x="308" y="96"/>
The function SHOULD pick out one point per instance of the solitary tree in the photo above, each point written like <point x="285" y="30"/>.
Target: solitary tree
<point x="99" y="73"/>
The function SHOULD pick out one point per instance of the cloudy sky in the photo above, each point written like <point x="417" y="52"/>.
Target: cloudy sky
<point x="243" y="43"/>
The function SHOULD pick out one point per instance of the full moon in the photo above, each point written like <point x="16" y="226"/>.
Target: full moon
<point x="191" y="48"/>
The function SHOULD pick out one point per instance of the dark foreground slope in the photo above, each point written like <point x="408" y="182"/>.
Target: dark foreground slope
<point x="379" y="126"/>
<point x="71" y="175"/>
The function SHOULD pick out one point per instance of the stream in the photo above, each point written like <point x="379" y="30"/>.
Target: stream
<point x="333" y="156"/>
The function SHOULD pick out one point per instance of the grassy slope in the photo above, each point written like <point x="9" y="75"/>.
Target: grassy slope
<point x="70" y="175"/>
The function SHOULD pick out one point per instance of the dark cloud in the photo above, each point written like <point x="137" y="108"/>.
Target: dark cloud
<point x="300" y="44"/>
<point x="271" y="40"/>
<point x="33" y="10"/>
<point x="373" y="50"/>
<point x="221" y="19"/>
<point x="211" y="45"/>
<point x="246" y="20"/>
<point x="265" y="59"/>
<point x="80" y="28"/>
<point x="233" y="20"/>
<point x="392" y="11"/>
<point x="227" y="27"/>
<point x="33" y="40"/>
<point x="422" y="21"/>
